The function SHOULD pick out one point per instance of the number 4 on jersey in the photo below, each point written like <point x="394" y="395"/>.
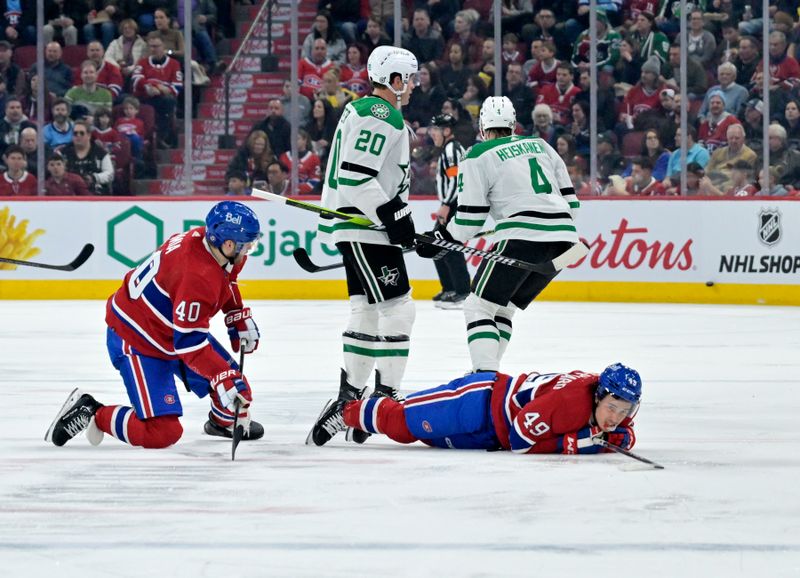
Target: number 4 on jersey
<point x="538" y="179"/>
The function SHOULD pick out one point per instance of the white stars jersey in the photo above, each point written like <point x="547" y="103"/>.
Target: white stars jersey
<point x="368" y="166"/>
<point x="523" y="183"/>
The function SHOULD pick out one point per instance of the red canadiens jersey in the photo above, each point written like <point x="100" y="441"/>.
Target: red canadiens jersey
<point x="24" y="187"/>
<point x="533" y="411"/>
<point x="164" y="306"/>
<point x="714" y="134"/>
<point x="638" y="101"/>
<point x="148" y="71"/>
<point x="356" y="80"/>
<point x="311" y="76"/>
<point x="110" y="76"/>
<point x="560" y="103"/>
<point x="539" y="76"/>
<point x="308" y="170"/>
<point x="129" y="126"/>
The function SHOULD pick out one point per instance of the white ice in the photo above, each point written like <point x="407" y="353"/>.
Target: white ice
<point x="719" y="412"/>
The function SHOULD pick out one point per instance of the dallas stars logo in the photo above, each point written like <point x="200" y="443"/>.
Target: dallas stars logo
<point x="389" y="276"/>
<point x="380" y="111"/>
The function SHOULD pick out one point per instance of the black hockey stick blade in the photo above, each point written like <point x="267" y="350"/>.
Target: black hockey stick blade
<point x="630" y="454"/>
<point x="82" y="257"/>
<point x="238" y="430"/>
<point x="303" y="259"/>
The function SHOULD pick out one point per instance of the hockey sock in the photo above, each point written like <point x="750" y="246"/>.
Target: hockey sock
<point x="483" y="335"/>
<point x="220" y="415"/>
<point x="396" y="318"/>
<point x="360" y="340"/>
<point x="503" y="321"/>
<point x="379" y="415"/>
<point x="121" y="422"/>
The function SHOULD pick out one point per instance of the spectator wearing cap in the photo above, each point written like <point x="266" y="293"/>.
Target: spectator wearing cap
<point x="713" y="131"/>
<point x="559" y="96"/>
<point x="735" y="94"/>
<point x="422" y="39"/>
<point x="643" y="98"/>
<point x="753" y="122"/>
<point x="648" y="40"/>
<point x="696" y="78"/>
<point x="452" y="271"/>
<point x="16" y="181"/>
<point x="543" y="126"/>
<point x="12" y="80"/>
<point x="785" y="159"/>
<point x="722" y="160"/>
<point x="791" y="120"/>
<point x="747" y="60"/>
<point x="784" y="69"/>
<point x="695" y="153"/>
<point x="608" y="45"/>
<point x="237" y="184"/>
<point x="774" y="188"/>
<point x="61" y="183"/>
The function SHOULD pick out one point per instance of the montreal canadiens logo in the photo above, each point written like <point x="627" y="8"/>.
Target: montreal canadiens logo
<point x="169" y="399"/>
<point x="427" y="427"/>
<point x="769" y="226"/>
<point x="380" y="110"/>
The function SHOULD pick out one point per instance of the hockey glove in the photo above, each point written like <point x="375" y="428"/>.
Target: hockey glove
<point x="230" y="385"/>
<point x="428" y="251"/>
<point x="622" y="437"/>
<point x="396" y="219"/>
<point x="582" y="442"/>
<point x="242" y="330"/>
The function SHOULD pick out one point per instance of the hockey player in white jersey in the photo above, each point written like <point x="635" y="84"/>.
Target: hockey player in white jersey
<point x="524" y="185"/>
<point x="368" y="174"/>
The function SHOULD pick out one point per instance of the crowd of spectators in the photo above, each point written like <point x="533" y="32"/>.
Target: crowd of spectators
<point x="105" y="117"/>
<point x="545" y="72"/>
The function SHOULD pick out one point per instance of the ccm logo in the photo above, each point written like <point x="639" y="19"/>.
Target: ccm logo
<point x="237" y="316"/>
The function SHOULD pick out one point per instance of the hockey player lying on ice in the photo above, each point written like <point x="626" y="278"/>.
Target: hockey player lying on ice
<point x="535" y="413"/>
<point x="158" y="329"/>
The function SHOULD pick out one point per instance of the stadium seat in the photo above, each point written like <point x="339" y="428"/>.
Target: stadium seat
<point x="25" y="56"/>
<point x="632" y="144"/>
<point x="74" y="55"/>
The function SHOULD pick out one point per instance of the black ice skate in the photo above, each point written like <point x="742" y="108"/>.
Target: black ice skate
<point x="358" y="436"/>
<point x="74" y="417"/>
<point x="331" y="420"/>
<point x="212" y="428"/>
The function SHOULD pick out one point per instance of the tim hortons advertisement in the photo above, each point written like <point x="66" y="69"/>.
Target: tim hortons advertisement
<point x="721" y="241"/>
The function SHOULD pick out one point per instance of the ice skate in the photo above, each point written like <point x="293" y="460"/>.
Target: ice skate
<point x="73" y="417"/>
<point x="328" y="424"/>
<point x="358" y="436"/>
<point x="212" y="428"/>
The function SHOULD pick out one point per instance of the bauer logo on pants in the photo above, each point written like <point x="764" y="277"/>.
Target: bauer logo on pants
<point x="769" y="226"/>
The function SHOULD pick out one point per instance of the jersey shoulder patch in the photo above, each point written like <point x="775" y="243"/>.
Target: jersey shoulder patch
<point x="372" y="106"/>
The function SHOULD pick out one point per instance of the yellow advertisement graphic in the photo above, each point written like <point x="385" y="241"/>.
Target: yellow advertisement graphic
<point x="15" y="240"/>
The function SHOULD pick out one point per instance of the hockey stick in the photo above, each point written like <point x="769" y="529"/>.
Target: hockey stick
<point x="303" y="259"/>
<point x="568" y="257"/>
<point x="624" y="452"/>
<point x="85" y="253"/>
<point x="238" y="430"/>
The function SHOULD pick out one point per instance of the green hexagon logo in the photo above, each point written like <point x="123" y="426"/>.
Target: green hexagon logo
<point x="142" y="221"/>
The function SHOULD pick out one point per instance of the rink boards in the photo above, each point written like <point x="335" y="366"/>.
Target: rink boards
<point x="687" y="250"/>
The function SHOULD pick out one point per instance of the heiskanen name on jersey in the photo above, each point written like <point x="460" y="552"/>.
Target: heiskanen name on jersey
<point x="525" y="183"/>
<point x="369" y="166"/>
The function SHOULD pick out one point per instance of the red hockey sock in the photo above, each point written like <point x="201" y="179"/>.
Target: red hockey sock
<point x="379" y="415"/>
<point x="121" y="422"/>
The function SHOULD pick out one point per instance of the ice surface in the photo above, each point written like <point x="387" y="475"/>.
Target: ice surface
<point x="720" y="412"/>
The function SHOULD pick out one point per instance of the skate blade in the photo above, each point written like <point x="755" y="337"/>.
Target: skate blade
<point x="71" y="399"/>
<point x="310" y="436"/>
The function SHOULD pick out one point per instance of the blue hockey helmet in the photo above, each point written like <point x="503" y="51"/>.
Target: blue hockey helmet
<point x="623" y="383"/>
<point x="232" y="221"/>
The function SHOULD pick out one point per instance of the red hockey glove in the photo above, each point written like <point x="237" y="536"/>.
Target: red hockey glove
<point x="242" y="330"/>
<point x="622" y="437"/>
<point x="582" y="442"/>
<point x="229" y="386"/>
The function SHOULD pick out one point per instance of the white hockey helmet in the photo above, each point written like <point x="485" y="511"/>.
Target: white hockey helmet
<point x="497" y="112"/>
<point x="387" y="60"/>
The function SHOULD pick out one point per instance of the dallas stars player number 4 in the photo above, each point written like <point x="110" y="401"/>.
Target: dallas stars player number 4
<point x="368" y="174"/>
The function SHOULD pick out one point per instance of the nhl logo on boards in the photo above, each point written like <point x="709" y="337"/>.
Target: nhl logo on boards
<point x="769" y="226"/>
<point x="380" y="111"/>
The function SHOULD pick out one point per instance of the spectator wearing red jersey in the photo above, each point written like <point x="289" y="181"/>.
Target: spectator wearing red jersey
<point x="312" y="69"/>
<point x="713" y="131"/>
<point x="16" y="181"/>
<point x="354" y="75"/>
<point x="61" y="183"/>
<point x="308" y="168"/>
<point x="784" y="71"/>
<point x="105" y="134"/>
<point x="741" y="181"/>
<point x="511" y="52"/>
<point x="559" y="96"/>
<point x="644" y="98"/>
<point x="130" y="125"/>
<point x="544" y="71"/>
<point x="157" y="79"/>
<point x="109" y="74"/>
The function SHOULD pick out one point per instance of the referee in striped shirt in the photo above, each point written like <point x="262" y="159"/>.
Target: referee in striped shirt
<point x="452" y="268"/>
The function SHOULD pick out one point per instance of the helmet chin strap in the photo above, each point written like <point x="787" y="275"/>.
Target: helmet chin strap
<point x="398" y="95"/>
